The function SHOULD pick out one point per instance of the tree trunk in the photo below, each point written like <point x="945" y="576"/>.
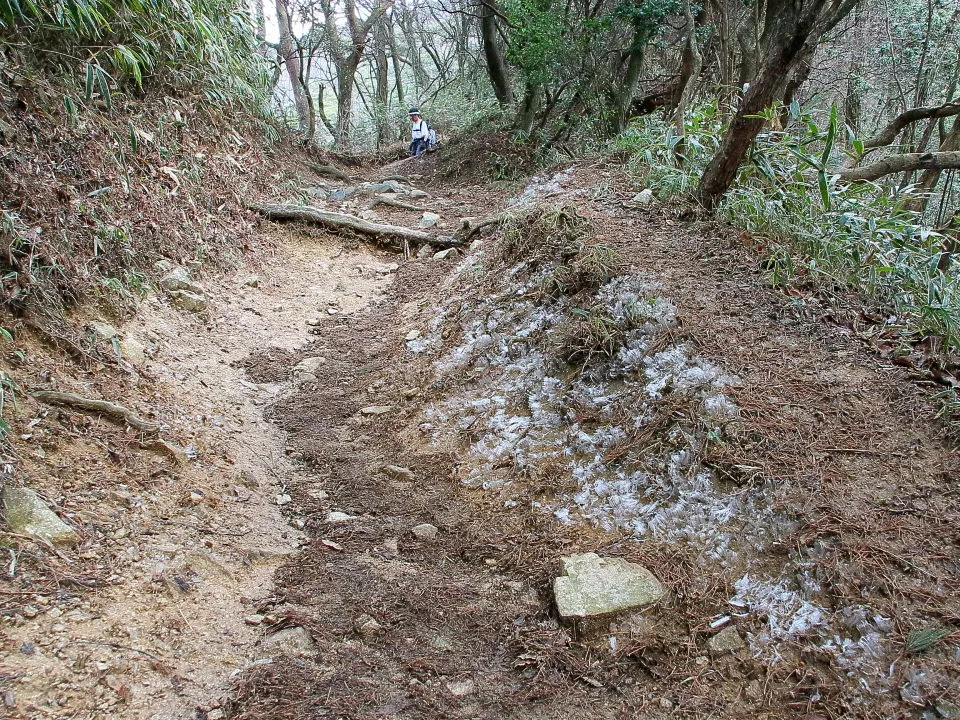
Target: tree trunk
<point x="693" y="51"/>
<point x="529" y="107"/>
<point x="382" y="67"/>
<point x="790" y="31"/>
<point x="496" y="67"/>
<point x="346" y="74"/>
<point x="630" y="80"/>
<point x="291" y="59"/>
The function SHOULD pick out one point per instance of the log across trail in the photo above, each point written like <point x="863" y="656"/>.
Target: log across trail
<point x="343" y="221"/>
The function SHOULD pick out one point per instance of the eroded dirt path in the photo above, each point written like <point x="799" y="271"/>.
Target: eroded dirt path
<point x="177" y="558"/>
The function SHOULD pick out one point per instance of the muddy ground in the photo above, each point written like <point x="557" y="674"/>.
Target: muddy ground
<point x="299" y="527"/>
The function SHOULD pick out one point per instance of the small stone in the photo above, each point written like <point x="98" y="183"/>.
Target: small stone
<point x="412" y="335"/>
<point x="444" y="254"/>
<point x="727" y="640"/>
<point x="133" y="350"/>
<point x="190" y="301"/>
<point x="332" y="545"/>
<point x="9" y="699"/>
<point x="179" y="279"/>
<point x="376" y="409"/>
<point x="666" y="703"/>
<point x="284" y="499"/>
<point x="332" y="311"/>
<point x="644" y="197"/>
<point x="313" y="322"/>
<point x="426" y="250"/>
<point x="104" y="330"/>
<point x="54" y="613"/>
<point x="255" y="619"/>
<point x="215" y="714"/>
<point x="367" y="626"/>
<point x="163" y="266"/>
<point x="461" y="688"/>
<point x="27" y="514"/>
<point x="338" y="517"/>
<point x="590" y="586"/>
<point x="425" y="531"/>
<point x="476" y="245"/>
<point x="292" y="640"/>
<point x="29" y="611"/>
<point x="398" y="473"/>
<point x="429" y="219"/>
<point x="252" y="281"/>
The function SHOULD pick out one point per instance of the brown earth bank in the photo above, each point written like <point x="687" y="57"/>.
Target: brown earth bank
<point x="435" y="535"/>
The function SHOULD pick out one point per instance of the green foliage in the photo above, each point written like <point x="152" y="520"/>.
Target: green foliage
<point x="539" y="39"/>
<point x="856" y="236"/>
<point x="646" y="16"/>
<point x="187" y="46"/>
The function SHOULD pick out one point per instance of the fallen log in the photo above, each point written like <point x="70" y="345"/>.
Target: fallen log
<point x="342" y="221"/>
<point x="102" y="407"/>
<point x="329" y="171"/>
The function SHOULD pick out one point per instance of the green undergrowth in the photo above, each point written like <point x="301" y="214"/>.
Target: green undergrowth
<point x="132" y="132"/>
<point x="849" y="237"/>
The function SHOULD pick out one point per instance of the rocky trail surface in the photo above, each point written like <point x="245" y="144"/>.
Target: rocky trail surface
<point x="390" y="461"/>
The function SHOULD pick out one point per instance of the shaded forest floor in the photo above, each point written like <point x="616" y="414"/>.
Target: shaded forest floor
<point x="825" y="530"/>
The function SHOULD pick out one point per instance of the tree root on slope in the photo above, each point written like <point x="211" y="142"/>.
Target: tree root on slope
<point x="115" y="412"/>
<point x="342" y="221"/>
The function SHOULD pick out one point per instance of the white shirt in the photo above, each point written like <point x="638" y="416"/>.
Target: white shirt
<point x="419" y="129"/>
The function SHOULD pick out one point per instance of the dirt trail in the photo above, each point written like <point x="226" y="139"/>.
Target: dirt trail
<point x="390" y="488"/>
<point x="184" y="555"/>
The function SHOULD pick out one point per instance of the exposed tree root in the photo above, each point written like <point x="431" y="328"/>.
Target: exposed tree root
<point x="329" y="171"/>
<point x="342" y="221"/>
<point x="102" y="407"/>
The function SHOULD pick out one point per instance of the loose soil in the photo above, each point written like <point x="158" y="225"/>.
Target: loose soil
<point x="152" y="612"/>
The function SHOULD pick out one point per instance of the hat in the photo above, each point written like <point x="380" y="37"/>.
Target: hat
<point x="414" y="111"/>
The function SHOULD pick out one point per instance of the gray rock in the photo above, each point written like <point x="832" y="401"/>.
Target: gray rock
<point x="376" y="409"/>
<point x="292" y="641"/>
<point x="429" y="219"/>
<point x="727" y="640"/>
<point x="462" y="688"/>
<point x="337" y="517"/>
<point x="179" y="279"/>
<point x="591" y="586"/>
<point x="104" y="330"/>
<point x="318" y="192"/>
<point x="163" y="265"/>
<point x="367" y="626"/>
<point x="425" y="531"/>
<point x="398" y="473"/>
<point x="426" y="250"/>
<point x="189" y="300"/>
<point x="133" y="351"/>
<point x="309" y="366"/>
<point x="251" y="281"/>
<point x="27" y="514"/>
<point x="644" y="197"/>
<point x="444" y="254"/>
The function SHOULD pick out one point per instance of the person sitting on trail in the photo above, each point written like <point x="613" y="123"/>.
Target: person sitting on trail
<point x="420" y="133"/>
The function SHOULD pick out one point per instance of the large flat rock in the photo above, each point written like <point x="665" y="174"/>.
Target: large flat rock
<point x="592" y="586"/>
<point x="27" y="514"/>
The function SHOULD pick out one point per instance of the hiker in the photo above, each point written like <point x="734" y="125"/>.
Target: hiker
<point x="420" y="133"/>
